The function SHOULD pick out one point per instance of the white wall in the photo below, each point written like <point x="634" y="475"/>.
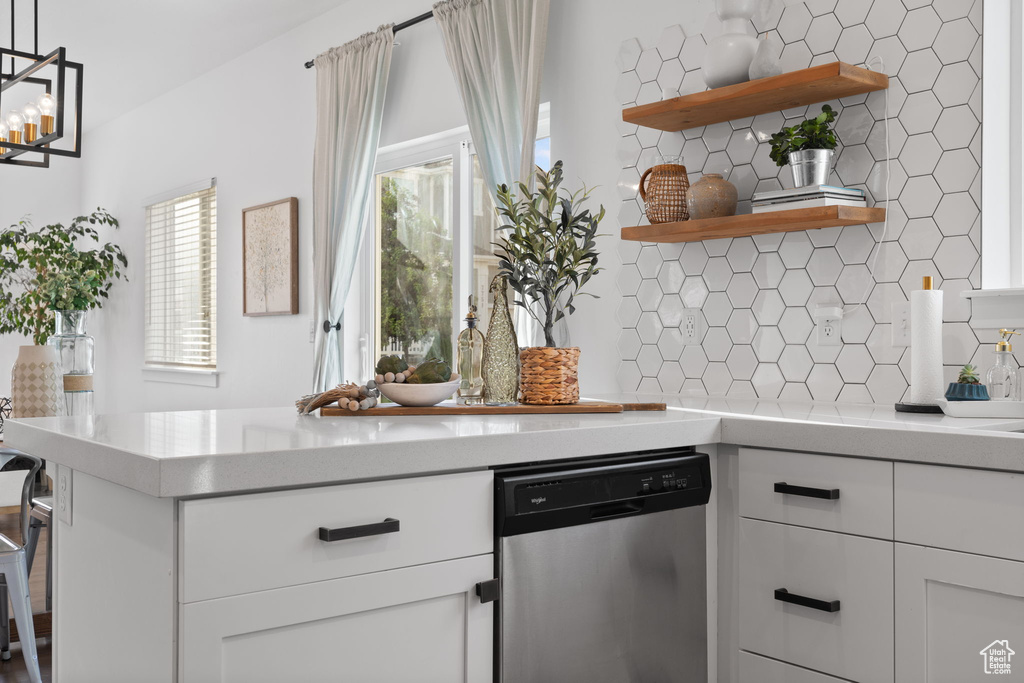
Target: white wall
<point x="250" y="124"/>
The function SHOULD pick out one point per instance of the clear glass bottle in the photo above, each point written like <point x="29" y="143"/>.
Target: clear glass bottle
<point x="501" y="350"/>
<point x="77" y="357"/>
<point x="470" y="361"/>
<point x="1001" y="378"/>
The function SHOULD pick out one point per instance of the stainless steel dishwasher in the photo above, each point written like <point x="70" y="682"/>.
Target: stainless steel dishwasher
<point x="603" y="570"/>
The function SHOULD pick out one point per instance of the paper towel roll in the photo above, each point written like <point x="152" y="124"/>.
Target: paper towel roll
<point x="926" y="346"/>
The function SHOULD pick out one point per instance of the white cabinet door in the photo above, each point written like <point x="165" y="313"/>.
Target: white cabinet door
<point x="420" y="624"/>
<point x="951" y="608"/>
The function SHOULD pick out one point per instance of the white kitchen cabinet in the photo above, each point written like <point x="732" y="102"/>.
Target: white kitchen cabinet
<point x="756" y="669"/>
<point x="950" y="607"/>
<point x="420" y="624"/>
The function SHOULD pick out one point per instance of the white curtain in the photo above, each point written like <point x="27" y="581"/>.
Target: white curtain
<point x="351" y="81"/>
<point x="496" y="51"/>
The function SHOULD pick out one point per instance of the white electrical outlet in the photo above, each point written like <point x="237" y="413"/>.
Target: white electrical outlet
<point x="312" y="330"/>
<point x="64" y="491"/>
<point x="828" y="323"/>
<point x="691" y="327"/>
<point x="901" y="323"/>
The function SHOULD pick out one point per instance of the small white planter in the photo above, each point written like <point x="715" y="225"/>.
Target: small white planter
<point x="37" y="383"/>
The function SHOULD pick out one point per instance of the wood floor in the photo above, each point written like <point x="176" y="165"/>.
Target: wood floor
<point x="13" y="671"/>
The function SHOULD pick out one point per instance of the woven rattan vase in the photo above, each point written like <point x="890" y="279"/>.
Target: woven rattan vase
<point x="549" y="375"/>
<point x="663" y="189"/>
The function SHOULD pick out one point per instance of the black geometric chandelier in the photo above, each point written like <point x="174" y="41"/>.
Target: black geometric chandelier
<point x="35" y="111"/>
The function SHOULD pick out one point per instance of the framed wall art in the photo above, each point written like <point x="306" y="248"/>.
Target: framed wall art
<point x="270" y="258"/>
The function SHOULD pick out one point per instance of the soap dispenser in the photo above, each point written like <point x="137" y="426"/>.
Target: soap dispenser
<point x="1002" y="377"/>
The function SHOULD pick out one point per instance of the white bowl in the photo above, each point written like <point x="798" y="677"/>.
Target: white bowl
<point x="419" y="395"/>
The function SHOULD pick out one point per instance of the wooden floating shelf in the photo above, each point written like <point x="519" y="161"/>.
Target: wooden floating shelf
<point x="755" y="224"/>
<point x="775" y="93"/>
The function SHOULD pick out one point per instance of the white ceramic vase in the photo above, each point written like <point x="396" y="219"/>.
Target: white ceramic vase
<point x="37" y="383"/>
<point x="728" y="57"/>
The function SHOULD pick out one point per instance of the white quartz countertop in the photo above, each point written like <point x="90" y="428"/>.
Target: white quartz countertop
<point x="210" y="452"/>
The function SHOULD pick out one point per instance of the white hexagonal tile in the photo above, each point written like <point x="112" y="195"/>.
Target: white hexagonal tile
<point x="883" y="296"/>
<point x="742" y="254"/>
<point x="628" y="312"/>
<point x="649" y="295"/>
<point x="768" y="270"/>
<point x="671" y="42"/>
<point x="670" y="310"/>
<point x="886" y="384"/>
<point x="670" y="78"/>
<point x="852" y="12"/>
<point x="695" y="154"/>
<point x="920" y="239"/>
<point x="766" y="169"/>
<point x="880" y="345"/>
<point x="887" y="179"/>
<point x="885" y="18"/>
<point x="768" y="307"/>
<point x="819" y="7"/>
<point x="855" y="283"/>
<point x="956" y="170"/>
<point x="769" y="242"/>
<point x="649" y="93"/>
<point x="795" y="325"/>
<point x="854" y="164"/>
<point x="693" y="258"/>
<point x="670" y="377"/>
<point x="919" y="28"/>
<point x="795" y="249"/>
<point x="920" y="196"/>
<point x="955" y="258"/>
<point x="649" y="262"/>
<point x="627" y="87"/>
<point x="628" y="250"/>
<point x="824" y="382"/>
<point x="649" y="327"/>
<point x="956" y="213"/>
<point x="920" y="112"/>
<point x="717" y="379"/>
<point x="629" y="344"/>
<point x="823" y="34"/>
<point x="891" y="99"/>
<point x="717" y="344"/>
<point x="649" y="139"/>
<point x="948" y="10"/>
<point x="649" y="360"/>
<point x="795" y="363"/>
<point x="742" y="146"/>
<point x="670" y="251"/>
<point x="693" y="82"/>
<point x="670" y="277"/>
<point x="959" y="343"/>
<point x="955" y="84"/>
<point x="920" y="154"/>
<point x="718" y="162"/>
<point x="629" y="53"/>
<point x="955" y="41"/>
<point x="796" y="392"/>
<point x="824" y="266"/>
<point x="768" y="381"/>
<point x="717" y="309"/>
<point x="628" y="280"/>
<point x="795" y="287"/>
<point x="794" y="23"/>
<point x="892" y="53"/>
<point x="648" y="65"/>
<point x="823" y="296"/>
<point x="717" y="274"/>
<point x="693" y="387"/>
<point x="628" y="184"/>
<point x="795" y="56"/>
<point x="742" y="326"/>
<point x="649" y="385"/>
<point x="955" y="127"/>
<point x="693" y="362"/>
<point x="854" y="393"/>
<point x="881" y="134"/>
<point x="628" y="152"/>
<point x="742" y="362"/>
<point x="768" y="14"/>
<point x="854" y="44"/>
<point x="745" y="180"/>
<point x="824" y="237"/>
<point x="889" y="262"/>
<point x="768" y="344"/>
<point x="716" y="136"/>
<point x="854" y="125"/>
<point x="857" y="325"/>
<point x="692" y="53"/>
<point x="671" y="343"/>
<point x="694" y="292"/>
<point x="855" y="244"/>
<point x="919" y="71"/>
<point x="671" y="143"/>
<point x="719" y="247"/>
<point x="854" y="363"/>
<point x="914" y="274"/>
<point x="766" y="125"/>
<point x="955" y="308"/>
<point x="628" y="376"/>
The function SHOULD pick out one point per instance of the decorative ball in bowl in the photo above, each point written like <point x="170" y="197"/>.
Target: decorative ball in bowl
<point x="419" y="395"/>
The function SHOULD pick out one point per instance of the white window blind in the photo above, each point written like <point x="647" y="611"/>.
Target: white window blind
<point x="181" y="280"/>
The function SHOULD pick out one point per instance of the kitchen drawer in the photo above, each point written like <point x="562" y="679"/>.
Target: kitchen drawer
<point x="864" y="505"/>
<point x="255" y="542"/>
<point x="974" y="511"/>
<point x="755" y="669"/>
<point x="854" y="642"/>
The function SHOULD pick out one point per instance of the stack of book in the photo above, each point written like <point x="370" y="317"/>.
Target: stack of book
<point x="807" y="197"/>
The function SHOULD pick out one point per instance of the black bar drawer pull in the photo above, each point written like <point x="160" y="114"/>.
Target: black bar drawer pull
<point x="388" y="526"/>
<point x="783" y="595"/>
<point x="806" y="491"/>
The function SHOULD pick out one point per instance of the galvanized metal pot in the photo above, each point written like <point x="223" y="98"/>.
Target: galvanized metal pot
<point x="811" y="166"/>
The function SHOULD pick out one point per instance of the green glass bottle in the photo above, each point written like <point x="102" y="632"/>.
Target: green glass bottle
<point x="501" y="350"/>
<point x="470" y="361"/>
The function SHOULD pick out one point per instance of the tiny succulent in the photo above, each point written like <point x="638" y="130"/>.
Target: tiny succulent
<point x="968" y="375"/>
<point x="815" y="133"/>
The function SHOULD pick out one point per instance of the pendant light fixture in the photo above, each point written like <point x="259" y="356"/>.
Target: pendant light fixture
<point x="38" y="107"/>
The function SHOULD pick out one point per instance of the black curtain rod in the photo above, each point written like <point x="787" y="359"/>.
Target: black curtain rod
<point x="398" y="27"/>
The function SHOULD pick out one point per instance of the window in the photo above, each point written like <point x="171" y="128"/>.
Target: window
<point x="181" y="279"/>
<point x="432" y="246"/>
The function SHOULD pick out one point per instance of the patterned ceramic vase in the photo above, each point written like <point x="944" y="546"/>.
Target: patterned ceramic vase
<point x="501" y="350"/>
<point x="711" y="197"/>
<point x="37" y="383"/>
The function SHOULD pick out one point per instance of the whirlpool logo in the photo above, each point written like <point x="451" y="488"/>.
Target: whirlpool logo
<point x="538" y="501"/>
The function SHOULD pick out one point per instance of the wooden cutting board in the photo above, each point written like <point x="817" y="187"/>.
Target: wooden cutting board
<point x="518" y="409"/>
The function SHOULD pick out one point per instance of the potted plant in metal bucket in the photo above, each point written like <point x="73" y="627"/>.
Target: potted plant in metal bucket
<point x="548" y="251"/>
<point x="808" y="148"/>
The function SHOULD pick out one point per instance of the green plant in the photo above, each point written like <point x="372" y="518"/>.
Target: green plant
<point x="813" y="133"/>
<point x="44" y="270"/>
<point x="549" y="247"/>
<point x="968" y="375"/>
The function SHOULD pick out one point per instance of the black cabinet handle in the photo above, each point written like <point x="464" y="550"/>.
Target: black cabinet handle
<point x="806" y="491"/>
<point x="783" y="595"/>
<point x="388" y="526"/>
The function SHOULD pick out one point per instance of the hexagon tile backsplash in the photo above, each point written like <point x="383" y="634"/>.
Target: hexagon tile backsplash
<point x="758" y="295"/>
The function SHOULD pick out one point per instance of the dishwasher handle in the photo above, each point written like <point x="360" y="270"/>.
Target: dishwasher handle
<point x="618" y="509"/>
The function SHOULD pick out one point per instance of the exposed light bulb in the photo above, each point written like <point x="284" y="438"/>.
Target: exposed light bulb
<point x="15" y="121"/>
<point x="4" y="130"/>
<point x="31" y="113"/>
<point x="47" y="104"/>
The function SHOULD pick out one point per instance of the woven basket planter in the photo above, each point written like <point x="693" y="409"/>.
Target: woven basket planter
<point x="549" y="376"/>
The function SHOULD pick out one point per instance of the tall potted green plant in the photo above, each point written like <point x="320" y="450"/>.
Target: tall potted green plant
<point x="44" y="276"/>
<point x="548" y="251"/>
<point x="808" y="148"/>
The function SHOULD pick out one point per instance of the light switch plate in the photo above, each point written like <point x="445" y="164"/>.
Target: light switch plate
<point x="64" y="493"/>
<point x="901" y="323"/>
